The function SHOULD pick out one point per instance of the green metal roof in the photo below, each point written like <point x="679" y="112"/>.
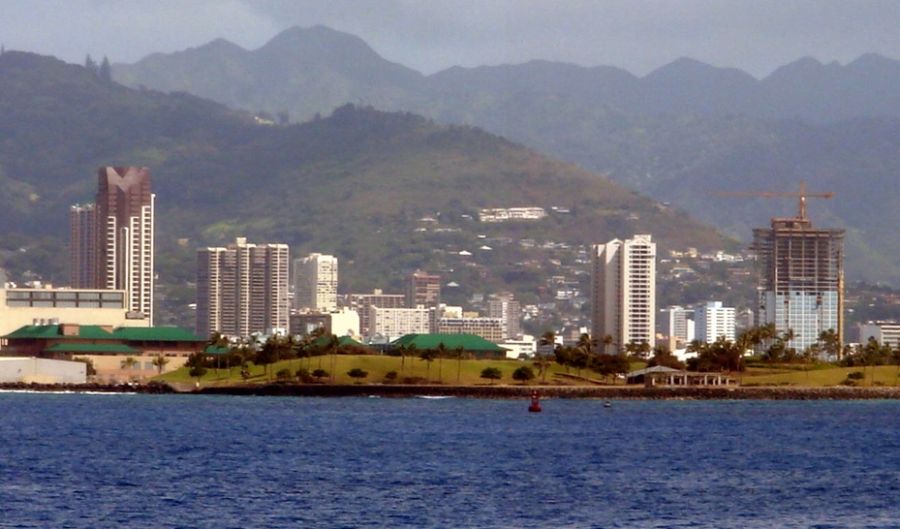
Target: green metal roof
<point x="216" y="350"/>
<point x="87" y="348"/>
<point x="90" y="332"/>
<point x="322" y="341"/>
<point x="469" y="342"/>
<point x="156" y="334"/>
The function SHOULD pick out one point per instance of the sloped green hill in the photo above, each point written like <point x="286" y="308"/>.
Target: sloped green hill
<point x="356" y="183"/>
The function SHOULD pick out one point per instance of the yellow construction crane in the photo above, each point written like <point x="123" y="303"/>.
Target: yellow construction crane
<point x="801" y="195"/>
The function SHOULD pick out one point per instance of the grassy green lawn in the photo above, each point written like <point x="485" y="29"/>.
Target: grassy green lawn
<point x="446" y="371"/>
<point x="818" y="376"/>
<point x="468" y="372"/>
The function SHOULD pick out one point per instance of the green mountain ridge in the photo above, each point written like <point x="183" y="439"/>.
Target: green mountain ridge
<point x="356" y="183"/>
<point x="677" y="134"/>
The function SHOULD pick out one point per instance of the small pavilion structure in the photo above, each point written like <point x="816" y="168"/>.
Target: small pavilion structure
<point x="661" y="376"/>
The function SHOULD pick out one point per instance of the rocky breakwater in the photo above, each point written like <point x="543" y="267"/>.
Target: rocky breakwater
<point x="571" y="392"/>
<point x="150" y="388"/>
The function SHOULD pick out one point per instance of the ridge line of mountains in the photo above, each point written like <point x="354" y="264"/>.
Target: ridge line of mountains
<point x="294" y="70"/>
<point x="675" y="134"/>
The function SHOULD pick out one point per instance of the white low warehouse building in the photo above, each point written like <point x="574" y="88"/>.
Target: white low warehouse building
<point x="29" y="369"/>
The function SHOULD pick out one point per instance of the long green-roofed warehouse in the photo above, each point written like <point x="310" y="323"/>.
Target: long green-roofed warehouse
<point x="470" y="343"/>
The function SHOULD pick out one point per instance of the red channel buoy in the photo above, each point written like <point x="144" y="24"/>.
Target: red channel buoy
<point x="535" y="406"/>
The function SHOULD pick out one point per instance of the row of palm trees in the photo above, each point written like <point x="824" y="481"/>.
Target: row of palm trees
<point x="273" y="349"/>
<point x="586" y="353"/>
<point x="159" y="362"/>
<point x="439" y="353"/>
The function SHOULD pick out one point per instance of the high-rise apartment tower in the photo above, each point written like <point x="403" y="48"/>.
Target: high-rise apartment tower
<point x="423" y="289"/>
<point x="242" y="288"/>
<point x="623" y="291"/>
<point x="111" y="245"/>
<point x="82" y="246"/>
<point x="714" y="321"/>
<point x="315" y="279"/>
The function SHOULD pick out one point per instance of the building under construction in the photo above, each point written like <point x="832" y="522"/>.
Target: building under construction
<point x="801" y="278"/>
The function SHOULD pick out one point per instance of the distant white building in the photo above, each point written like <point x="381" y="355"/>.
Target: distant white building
<point x="41" y="371"/>
<point x="45" y="304"/>
<point x="511" y="214"/>
<point x="677" y="325"/>
<point x="315" y="279"/>
<point x="623" y="291"/>
<point x="491" y="329"/>
<point x="884" y="332"/>
<point x="392" y="323"/>
<point x="510" y="312"/>
<point x="713" y="321"/>
<point x="343" y="322"/>
<point x="524" y="347"/>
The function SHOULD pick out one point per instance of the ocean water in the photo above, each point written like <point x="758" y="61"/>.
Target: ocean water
<point x="89" y="461"/>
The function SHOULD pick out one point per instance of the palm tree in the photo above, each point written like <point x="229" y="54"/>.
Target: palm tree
<point x="160" y="362"/>
<point x="787" y="337"/>
<point x="830" y="343"/>
<point x="584" y="352"/>
<point x="548" y="338"/>
<point x="428" y="355"/>
<point x="334" y="343"/>
<point x="216" y="340"/>
<point x="441" y="352"/>
<point x="542" y="363"/>
<point x="460" y="351"/>
<point x="411" y="351"/>
<point x="607" y="341"/>
<point x="542" y="360"/>
<point x="129" y="363"/>
<point x="402" y="350"/>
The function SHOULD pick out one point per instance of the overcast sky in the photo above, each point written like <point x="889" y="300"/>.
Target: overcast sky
<point x="754" y="35"/>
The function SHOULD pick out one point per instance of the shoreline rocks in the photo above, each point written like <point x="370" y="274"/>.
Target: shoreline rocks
<point x="153" y="388"/>
<point x="485" y="392"/>
<point x="562" y="392"/>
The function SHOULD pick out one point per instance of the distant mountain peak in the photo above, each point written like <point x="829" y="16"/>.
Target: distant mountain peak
<point x="220" y="43"/>
<point x="684" y="67"/>
<point x="319" y="34"/>
<point x="874" y="61"/>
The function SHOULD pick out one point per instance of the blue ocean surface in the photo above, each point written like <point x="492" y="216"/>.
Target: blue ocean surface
<point x="88" y="461"/>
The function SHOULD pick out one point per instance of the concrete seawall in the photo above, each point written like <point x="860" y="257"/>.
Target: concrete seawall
<point x="564" y="392"/>
<point x="489" y="392"/>
<point x="151" y="388"/>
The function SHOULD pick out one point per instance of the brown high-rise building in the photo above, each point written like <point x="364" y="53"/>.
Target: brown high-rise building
<point x="423" y="289"/>
<point x="112" y="240"/>
<point x="82" y="246"/>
